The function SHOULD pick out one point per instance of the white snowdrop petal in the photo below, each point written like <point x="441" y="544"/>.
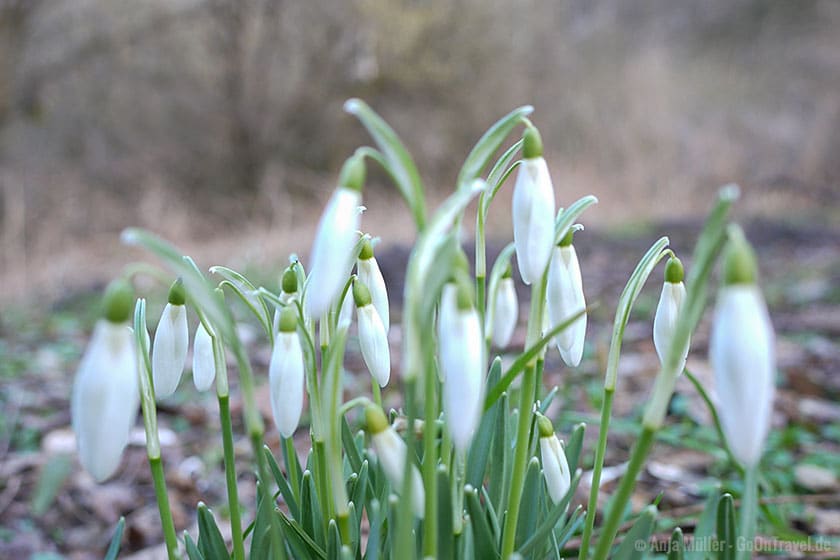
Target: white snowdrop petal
<point x="391" y="451"/>
<point x="169" y="352"/>
<point x="742" y="353"/>
<point x="533" y="218"/>
<point x="447" y="312"/>
<point x="565" y="299"/>
<point x="374" y="344"/>
<point x="345" y="314"/>
<point x="286" y="382"/>
<point x="463" y="390"/>
<point x="665" y="321"/>
<point x="505" y="313"/>
<point x="204" y="365"/>
<point x="105" y="398"/>
<point x="555" y="468"/>
<point x="371" y="276"/>
<point x="331" y="252"/>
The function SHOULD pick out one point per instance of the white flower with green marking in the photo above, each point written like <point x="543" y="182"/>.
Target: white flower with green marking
<point x="668" y="311"/>
<point x="204" y="363"/>
<point x="565" y="299"/>
<point x="286" y="375"/>
<point x="558" y="479"/>
<point x="372" y="336"/>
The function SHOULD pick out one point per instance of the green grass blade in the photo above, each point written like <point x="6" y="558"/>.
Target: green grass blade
<point x="490" y="143"/>
<point x="637" y="540"/>
<point x="210" y="540"/>
<point x="116" y="539"/>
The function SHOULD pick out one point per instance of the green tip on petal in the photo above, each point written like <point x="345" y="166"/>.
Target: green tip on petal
<point x="464" y="296"/>
<point x="289" y="281"/>
<point x="674" y="271"/>
<point x="361" y="293"/>
<point x="288" y="320"/>
<point x="118" y="301"/>
<point x="375" y="419"/>
<point x="568" y="238"/>
<point x="508" y="273"/>
<point x="177" y="293"/>
<point x="739" y="262"/>
<point x="367" y="250"/>
<point x="532" y="146"/>
<point x="353" y="173"/>
<point x="545" y="426"/>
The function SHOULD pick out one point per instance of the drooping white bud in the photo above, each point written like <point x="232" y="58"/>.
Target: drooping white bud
<point x="391" y="452"/>
<point x="370" y="274"/>
<point x="372" y="337"/>
<point x="533" y="212"/>
<point x="331" y="257"/>
<point x="565" y="299"/>
<point x="169" y="352"/>
<point x="105" y="396"/>
<point x="555" y="467"/>
<point x="463" y="371"/>
<point x="668" y="310"/>
<point x="742" y="353"/>
<point x="204" y="363"/>
<point x="505" y="313"/>
<point x="286" y="375"/>
<point x="447" y="311"/>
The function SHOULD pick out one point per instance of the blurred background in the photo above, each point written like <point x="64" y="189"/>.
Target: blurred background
<point x="219" y="123"/>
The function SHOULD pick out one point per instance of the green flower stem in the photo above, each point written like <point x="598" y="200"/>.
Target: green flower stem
<point x="333" y="387"/>
<point x="600" y="453"/>
<point x="377" y="392"/>
<point x="169" y="536"/>
<point x="749" y="513"/>
<point x="430" y="383"/>
<point x="404" y="545"/>
<point x="322" y="484"/>
<point x="625" y="489"/>
<point x="526" y="396"/>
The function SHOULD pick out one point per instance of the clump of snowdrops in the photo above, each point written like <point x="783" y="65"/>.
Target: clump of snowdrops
<point x="470" y="466"/>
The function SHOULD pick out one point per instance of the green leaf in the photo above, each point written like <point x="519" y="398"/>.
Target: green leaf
<point x="705" y="528"/>
<point x="210" y="540"/>
<point x="486" y="544"/>
<point x="312" y="522"/>
<point x="727" y="534"/>
<point x="637" y="540"/>
<point x="574" y="445"/>
<point x="282" y="483"/>
<point x="192" y="551"/>
<point x="302" y="545"/>
<point x="445" y="542"/>
<point x="676" y="545"/>
<point x="541" y="533"/>
<point x="114" y="547"/>
<point x="490" y="143"/>
<point x="530" y="502"/>
<point x="374" y="535"/>
<point x="498" y="175"/>
<point x="50" y="480"/>
<point x="360" y="492"/>
<point x="396" y="158"/>
<point x="333" y="541"/>
<point x="501" y="452"/>
<point x="483" y="440"/>
<point x="247" y="292"/>
<point x="350" y="449"/>
<point x="567" y="217"/>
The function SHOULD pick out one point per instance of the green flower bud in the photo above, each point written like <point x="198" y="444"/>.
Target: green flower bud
<point x="532" y="146"/>
<point x="375" y="419"/>
<point x="568" y="238"/>
<point x="288" y="320"/>
<point x="353" y="173"/>
<point x="361" y="294"/>
<point x="464" y="296"/>
<point x="508" y="273"/>
<point x="118" y="301"/>
<point x="674" y="271"/>
<point x="289" y="281"/>
<point x="545" y="426"/>
<point x="177" y="293"/>
<point x="367" y="250"/>
<point x="739" y="262"/>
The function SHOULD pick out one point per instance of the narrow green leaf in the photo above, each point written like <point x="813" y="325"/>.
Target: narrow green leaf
<point x="333" y="541"/>
<point x="483" y="440"/>
<point x="350" y="448"/>
<point x="574" y="445"/>
<point x="374" y="541"/>
<point x="247" y="292"/>
<point x="210" y="540"/>
<point x="540" y="534"/>
<point x="114" y="548"/>
<point x="705" y="529"/>
<point x="360" y="492"/>
<point x="486" y="544"/>
<point x="192" y="551"/>
<point x="498" y="174"/>
<point x="530" y="504"/>
<point x="445" y="542"/>
<point x="637" y="540"/>
<point x="282" y="483"/>
<point x="302" y="545"/>
<point x="50" y="480"/>
<point x="676" y="545"/>
<point x="293" y="468"/>
<point x="567" y="217"/>
<point x="727" y="534"/>
<point x="500" y="452"/>
<point x="312" y="522"/>
<point x="490" y="143"/>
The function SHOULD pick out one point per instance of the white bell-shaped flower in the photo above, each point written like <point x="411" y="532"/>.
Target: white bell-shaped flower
<point x="106" y="397"/>
<point x="391" y="452"/>
<point x="555" y="467"/>
<point x="742" y="353"/>
<point x="668" y="310"/>
<point x="169" y="352"/>
<point x="371" y="276"/>
<point x="505" y="312"/>
<point x="565" y="299"/>
<point x="533" y="211"/>
<point x="203" y="363"/>
<point x="286" y="375"/>
<point x="372" y="337"/>
<point x="331" y="257"/>
<point x="463" y="371"/>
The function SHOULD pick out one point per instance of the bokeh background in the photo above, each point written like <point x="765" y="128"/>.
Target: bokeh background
<point x="218" y="124"/>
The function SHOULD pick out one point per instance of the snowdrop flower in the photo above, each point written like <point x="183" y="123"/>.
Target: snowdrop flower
<point x="337" y="234"/>
<point x="288" y="292"/>
<point x="565" y="299"/>
<point x="742" y="354"/>
<point x="371" y="276"/>
<point x="447" y="311"/>
<point x="106" y="395"/>
<point x="533" y="210"/>
<point x="286" y="375"/>
<point x="169" y="352"/>
<point x="462" y="367"/>
<point x="391" y="451"/>
<point x="345" y="314"/>
<point x="372" y="337"/>
<point x="505" y="312"/>
<point x="555" y="466"/>
<point x="668" y="310"/>
<point x="204" y="364"/>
